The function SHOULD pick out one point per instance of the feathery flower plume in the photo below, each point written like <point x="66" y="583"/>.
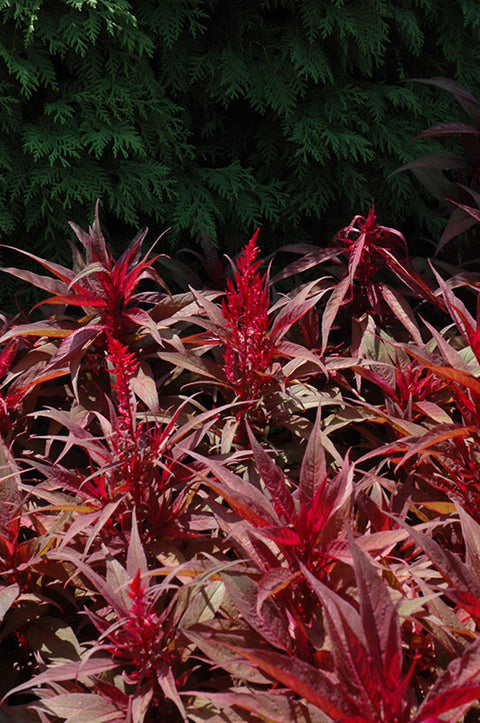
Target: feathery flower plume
<point x="250" y="348"/>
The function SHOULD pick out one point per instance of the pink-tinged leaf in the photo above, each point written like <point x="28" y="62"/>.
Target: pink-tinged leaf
<point x="271" y="623"/>
<point x="379" y="619"/>
<point x="282" y="536"/>
<point x="440" y="433"/>
<point x="465" y="322"/>
<point x="473" y="212"/>
<point x="85" y="300"/>
<point x="53" y="286"/>
<point x="469" y="602"/>
<point x="294" y="310"/>
<point x="274" y="479"/>
<point x="402" y="311"/>
<point x="269" y="707"/>
<point x="47" y="327"/>
<point x="444" y="161"/>
<point x="66" y="671"/>
<point x="449" y="700"/>
<point x="61" y="272"/>
<point x="8" y="595"/>
<point x="10" y="496"/>
<point x="245" y="499"/>
<point x="117" y="579"/>
<point x="376" y="379"/>
<point x="106" y="513"/>
<point x="455" y="572"/>
<point x="166" y="681"/>
<point x="471" y="537"/>
<point x="311" y="257"/>
<point x="213" y="312"/>
<point x="301" y="678"/>
<point x="330" y="496"/>
<point x="272" y="582"/>
<point x="463" y="96"/>
<point x="457" y="376"/>
<point x="82" y="708"/>
<point x="458" y="222"/>
<point x="299" y="354"/>
<point x="136" y="558"/>
<point x="414" y="281"/>
<point x="144" y="386"/>
<point x="356" y="253"/>
<point x="449" y="129"/>
<point x="140" y="702"/>
<point x="458" y="686"/>
<point x="314" y="466"/>
<point x="74" y="345"/>
<point x="450" y="355"/>
<point x="210" y="639"/>
<point x="142" y="320"/>
<point x="332" y="307"/>
<point x="110" y="596"/>
<point x="92" y="269"/>
<point x="346" y="632"/>
<point x="198" y="365"/>
<point x="436" y="183"/>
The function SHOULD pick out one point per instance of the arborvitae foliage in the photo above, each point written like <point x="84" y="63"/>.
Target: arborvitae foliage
<point x="220" y="114"/>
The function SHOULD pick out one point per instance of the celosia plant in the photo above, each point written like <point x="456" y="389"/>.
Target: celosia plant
<point x="250" y="349"/>
<point x="163" y="561"/>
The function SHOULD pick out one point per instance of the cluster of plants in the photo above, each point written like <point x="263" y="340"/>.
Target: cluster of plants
<point x="195" y="114"/>
<point x="253" y="499"/>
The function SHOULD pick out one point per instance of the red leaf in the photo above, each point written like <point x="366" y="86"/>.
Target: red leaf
<point x="331" y="309"/>
<point x="274" y="480"/>
<point x="66" y="671"/>
<point x="379" y="619"/>
<point x="448" y="129"/>
<point x="456" y="686"/>
<point x="271" y="622"/>
<point x="296" y="307"/>
<point x="345" y="629"/>
<point x="450" y="565"/>
<point x="314" y="466"/>
<point x="272" y="582"/>
<point x="468" y="101"/>
<point x="301" y="678"/>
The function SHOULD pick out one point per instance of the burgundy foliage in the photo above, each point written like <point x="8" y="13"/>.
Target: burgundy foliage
<point x="242" y="503"/>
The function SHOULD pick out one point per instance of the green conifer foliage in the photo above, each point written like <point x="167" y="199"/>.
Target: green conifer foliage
<point x="217" y="113"/>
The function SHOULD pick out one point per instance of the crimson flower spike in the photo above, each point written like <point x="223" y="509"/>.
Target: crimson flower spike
<point x="250" y="348"/>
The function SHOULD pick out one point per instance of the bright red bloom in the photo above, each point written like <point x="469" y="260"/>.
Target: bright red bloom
<point x="367" y="243"/>
<point x="250" y="348"/>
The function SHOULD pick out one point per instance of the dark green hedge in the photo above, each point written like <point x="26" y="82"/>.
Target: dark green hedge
<point x="224" y="114"/>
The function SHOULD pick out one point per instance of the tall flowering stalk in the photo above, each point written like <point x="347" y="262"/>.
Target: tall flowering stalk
<point x="144" y="465"/>
<point x="124" y="369"/>
<point x="249" y="349"/>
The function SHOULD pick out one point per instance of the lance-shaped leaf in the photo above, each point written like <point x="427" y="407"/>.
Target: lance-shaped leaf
<point x="332" y="307"/>
<point x="244" y="499"/>
<point x="467" y="100"/>
<point x="300" y="677"/>
<point x="274" y="479"/>
<point x="271" y="622"/>
<point x="353" y="663"/>
<point x="464" y="586"/>
<point x="314" y="466"/>
<point x="458" y="686"/>
<point x="379" y="619"/>
<point x="66" y="671"/>
<point x="268" y="706"/>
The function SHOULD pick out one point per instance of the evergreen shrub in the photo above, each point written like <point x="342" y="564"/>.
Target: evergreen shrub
<point x="221" y="115"/>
